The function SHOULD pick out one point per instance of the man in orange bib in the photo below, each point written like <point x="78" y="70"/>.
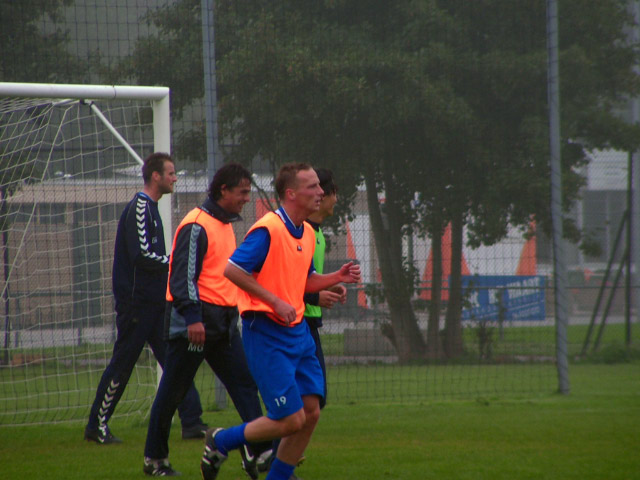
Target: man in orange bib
<point x="274" y="268"/>
<point x="202" y="317"/>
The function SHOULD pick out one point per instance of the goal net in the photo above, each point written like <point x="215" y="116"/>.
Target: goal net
<point x="69" y="162"/>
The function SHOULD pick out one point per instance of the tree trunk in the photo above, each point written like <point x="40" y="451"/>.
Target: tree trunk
<point x="434" y="344"/>
<point x="453" y="345"/>
<point x="404" y="334"/>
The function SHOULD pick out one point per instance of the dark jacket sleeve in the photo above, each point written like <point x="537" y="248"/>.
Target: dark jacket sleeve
<point x="146" y="249"/>
<point x="312" y="298"/>
<point x="186" y="264"/>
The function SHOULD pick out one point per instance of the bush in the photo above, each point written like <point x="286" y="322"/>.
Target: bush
<point x="615" y="352"/>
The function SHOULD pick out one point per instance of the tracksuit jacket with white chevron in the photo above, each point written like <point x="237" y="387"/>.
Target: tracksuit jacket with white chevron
<point x="140" y="261"/>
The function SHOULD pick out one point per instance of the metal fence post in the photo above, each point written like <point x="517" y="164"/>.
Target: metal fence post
<point x="559" y="258"/>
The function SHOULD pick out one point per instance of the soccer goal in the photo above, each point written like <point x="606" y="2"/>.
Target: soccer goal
<point x="70" y="159"/>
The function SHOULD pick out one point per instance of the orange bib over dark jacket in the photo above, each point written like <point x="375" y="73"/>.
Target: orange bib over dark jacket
<point x="213" y="286"/>
<point x="285" y="269"/>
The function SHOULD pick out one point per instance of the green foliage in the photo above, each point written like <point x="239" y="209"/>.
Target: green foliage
<point x="172" y="56"/>
<point x="613" y="353"/>
<point x="437" y="106"/>
<point x="34" y="49"/>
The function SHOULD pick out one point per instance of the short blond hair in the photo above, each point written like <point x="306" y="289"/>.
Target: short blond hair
<point x="287" y="176"/>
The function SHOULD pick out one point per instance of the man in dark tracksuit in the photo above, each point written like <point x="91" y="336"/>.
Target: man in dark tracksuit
<point x="202" y="318"/>
<point x="140" y="267"/>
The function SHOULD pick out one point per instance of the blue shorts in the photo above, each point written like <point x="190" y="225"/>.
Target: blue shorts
<point x="283" y="363"/>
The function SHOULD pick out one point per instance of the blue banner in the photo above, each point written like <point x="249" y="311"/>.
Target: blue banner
<point x="516" y="297"/>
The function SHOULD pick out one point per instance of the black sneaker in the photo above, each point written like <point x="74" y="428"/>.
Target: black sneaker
<point x="195" y="431"/>
<point x="212" y="458"/>
<point x="102" y="435"/>
<point x="249" y="462"/>
<point x="159" y="468"/>
<point x="264" y="460"/>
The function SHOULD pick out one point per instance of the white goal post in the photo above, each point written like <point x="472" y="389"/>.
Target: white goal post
<point x="158" y="96"/>
<point x="70" y="159"/>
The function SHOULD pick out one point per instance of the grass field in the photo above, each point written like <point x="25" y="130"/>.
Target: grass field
<point x="62" y="385"/>
<point x="593" y="433"/>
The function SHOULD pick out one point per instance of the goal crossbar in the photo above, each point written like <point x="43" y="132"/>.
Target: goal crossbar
<point x="159" y="96"/>
<point x="52" y="90"/>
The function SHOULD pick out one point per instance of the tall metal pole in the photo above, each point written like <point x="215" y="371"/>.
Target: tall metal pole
<point x="634" y="217"/>
<point x="211" y="122"/>
<point x="628" y="295"/>
<point x="210" y="99"/>
<point x="559" y="257"/>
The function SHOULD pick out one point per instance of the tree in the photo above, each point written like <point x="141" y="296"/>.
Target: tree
<point x="439" y="100"/>
<point x="507" y="62"/>
<point x="322" y="90"/>
<point x="31" y="51"/>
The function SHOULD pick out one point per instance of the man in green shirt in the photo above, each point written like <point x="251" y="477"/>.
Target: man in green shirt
<point x="325" y="298"/>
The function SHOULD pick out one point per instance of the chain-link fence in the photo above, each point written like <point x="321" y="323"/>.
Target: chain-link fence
<point x="432" y="115"/>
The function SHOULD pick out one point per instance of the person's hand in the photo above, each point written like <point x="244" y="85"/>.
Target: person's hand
<point x="340" y="290"/>
<point x="328" y="298"/>
<point x="195" y="333"/>
<point x="349" y="273"/>
<point x="285" y="311"/>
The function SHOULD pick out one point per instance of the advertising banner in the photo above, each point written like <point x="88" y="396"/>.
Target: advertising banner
<point x="512" y="297"/>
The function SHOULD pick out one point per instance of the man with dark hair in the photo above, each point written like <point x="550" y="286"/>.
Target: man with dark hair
<point x="202" y="318"/>
<point x="140" y="266"/>
<point x="338" y="293"/>
<point x="274" y="268"/>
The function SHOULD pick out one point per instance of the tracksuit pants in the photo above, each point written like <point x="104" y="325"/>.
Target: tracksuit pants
<point x="226" y="358"/>
<point x="136" y="325"/>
